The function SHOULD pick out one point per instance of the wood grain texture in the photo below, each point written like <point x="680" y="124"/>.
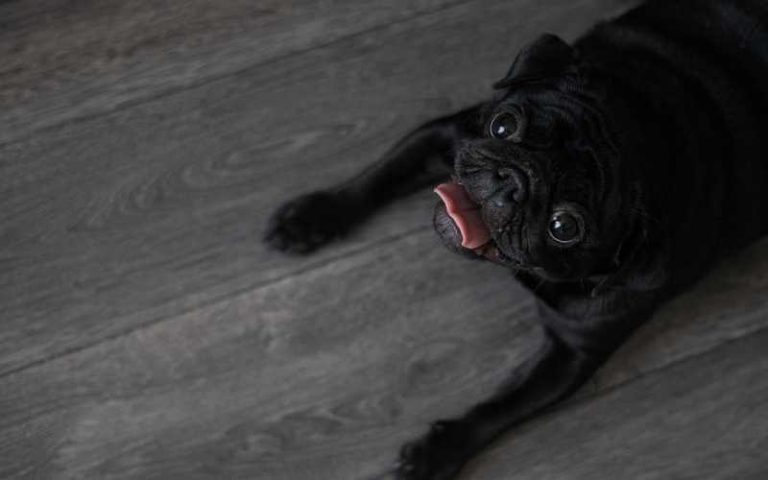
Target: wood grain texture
<point x="115" y="222"/>
<point x="63" y="60"/>
<point x="309" y="377"/>
<point x="146" y="334"/>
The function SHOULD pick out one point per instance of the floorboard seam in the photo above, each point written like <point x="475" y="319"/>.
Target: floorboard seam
<point x="212" y="301"/>
<point x="643" y="374"/>
<point x="128" y="104"/>
<point x="561" y="408"/>
<point x="568" y="405"/>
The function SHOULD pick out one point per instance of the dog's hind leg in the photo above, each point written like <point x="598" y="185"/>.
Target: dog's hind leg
<point x="554" y="372"/>
<point x="422" y="158"/>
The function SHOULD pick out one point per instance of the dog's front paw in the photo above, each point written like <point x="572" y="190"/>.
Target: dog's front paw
<point x="310" y="221"/>
<point x="439" y="455"/>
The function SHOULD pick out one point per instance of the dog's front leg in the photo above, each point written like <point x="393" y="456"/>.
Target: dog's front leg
<point x="422" y="158"/>
<point x="551" y="374"/>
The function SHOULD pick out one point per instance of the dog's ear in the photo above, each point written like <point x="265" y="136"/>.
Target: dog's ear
<point x="546" y="57"/>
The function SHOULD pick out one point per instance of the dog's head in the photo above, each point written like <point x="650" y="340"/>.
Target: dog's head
<point x="543" y="187"/>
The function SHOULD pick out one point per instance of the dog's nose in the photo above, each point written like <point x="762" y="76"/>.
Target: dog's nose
<point x="512" y="187"/>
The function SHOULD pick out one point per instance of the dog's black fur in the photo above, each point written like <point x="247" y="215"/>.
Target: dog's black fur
<point x="650" y="130"/>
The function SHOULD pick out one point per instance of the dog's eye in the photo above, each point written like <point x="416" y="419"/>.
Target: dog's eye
<point x="566" y="228"/>
<point x="508" y="125"/>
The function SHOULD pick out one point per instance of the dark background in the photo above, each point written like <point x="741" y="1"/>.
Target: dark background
<point x="146" y="333"/>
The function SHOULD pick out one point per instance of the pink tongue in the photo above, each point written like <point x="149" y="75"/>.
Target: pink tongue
<point x="465" y="214"/>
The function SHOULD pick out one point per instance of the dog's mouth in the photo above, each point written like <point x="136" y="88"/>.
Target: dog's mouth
<point x="459" y="222"/>
<point x="465" y="214"/>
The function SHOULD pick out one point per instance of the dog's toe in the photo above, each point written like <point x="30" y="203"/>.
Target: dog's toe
<point x="307" y="222"/>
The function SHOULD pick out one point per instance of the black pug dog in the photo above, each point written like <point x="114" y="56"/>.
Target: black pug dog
<point x="607" y="175"/>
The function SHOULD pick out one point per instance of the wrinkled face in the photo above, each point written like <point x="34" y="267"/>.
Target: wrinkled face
<point x="544" y="187"/>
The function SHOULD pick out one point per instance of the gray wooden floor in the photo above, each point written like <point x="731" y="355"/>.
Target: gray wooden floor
<point x="145" y="333"/>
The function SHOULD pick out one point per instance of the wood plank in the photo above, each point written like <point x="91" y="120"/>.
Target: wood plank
<point x="324" y="375"/>
<point x="115" y="222"/>
<point x="65" y="60"/>
<point x="266" y="384"/>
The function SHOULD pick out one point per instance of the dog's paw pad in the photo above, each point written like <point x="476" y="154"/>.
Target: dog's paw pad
<point x="439" y="455"/>
<point x="308" y="222"/>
